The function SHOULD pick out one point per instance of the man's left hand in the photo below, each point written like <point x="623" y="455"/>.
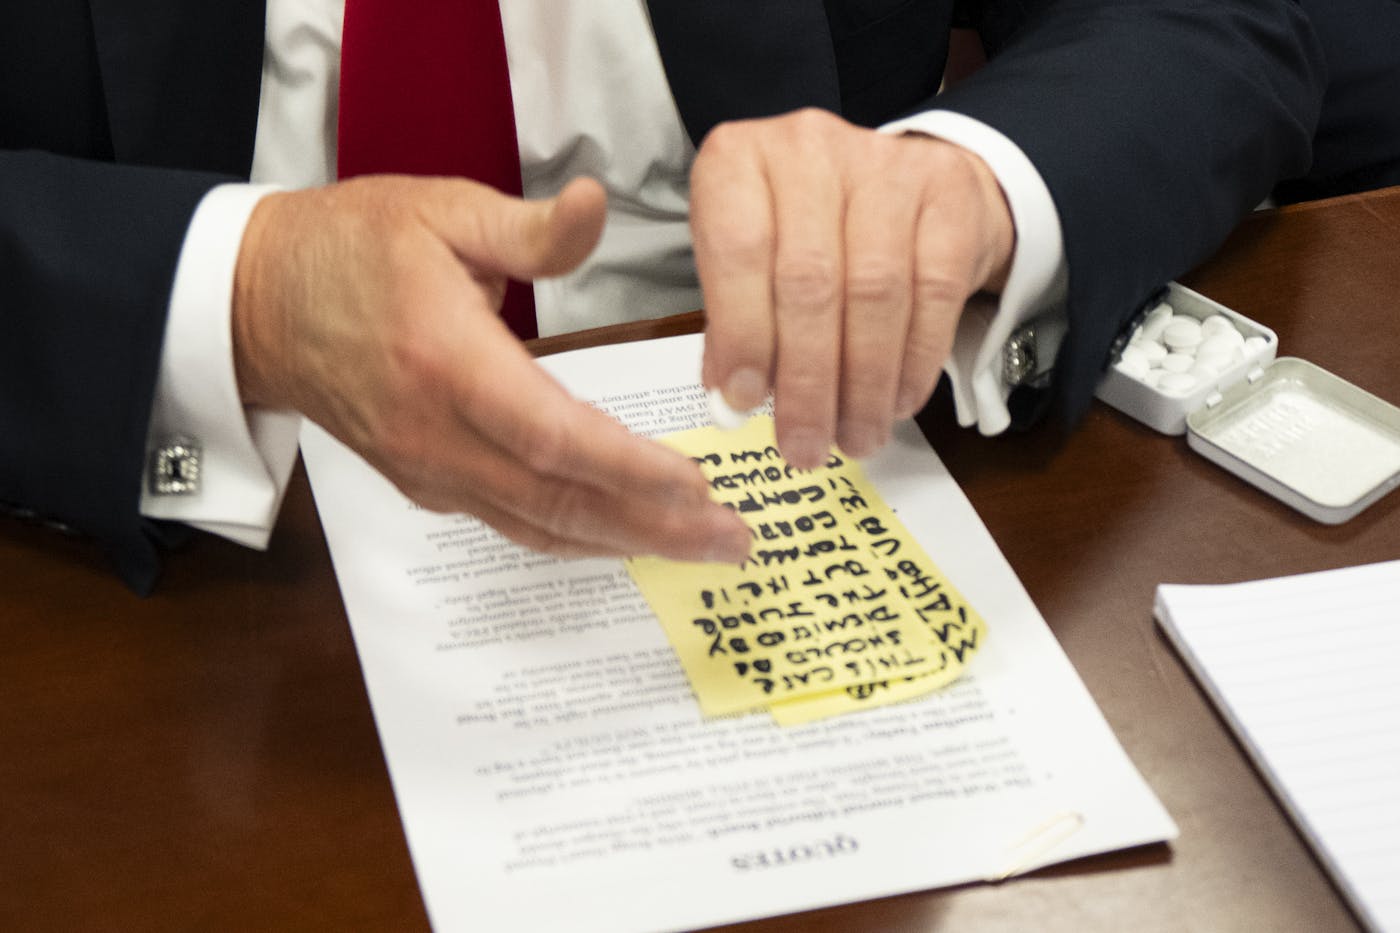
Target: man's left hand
<point x="835" y="262"/>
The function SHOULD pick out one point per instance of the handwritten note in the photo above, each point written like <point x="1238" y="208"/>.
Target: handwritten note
<point x="837" y="607"/>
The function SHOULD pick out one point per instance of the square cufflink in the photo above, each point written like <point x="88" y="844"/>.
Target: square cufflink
<point x="174" y="467"/>
<point x="1028" y="355"/>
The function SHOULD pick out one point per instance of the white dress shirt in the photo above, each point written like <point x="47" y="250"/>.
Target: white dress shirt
<point x="591" y="98"/>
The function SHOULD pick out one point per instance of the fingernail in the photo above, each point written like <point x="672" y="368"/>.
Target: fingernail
<point x="859" y="440"/>
<point x="904" y="403"/>
<point x="805" y="450"/>
<point x="908" y="403"/>
<point x="724" y="417"/>
<point x="746" y="389"/>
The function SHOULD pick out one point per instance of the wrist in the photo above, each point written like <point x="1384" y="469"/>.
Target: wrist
<point x="1000" y="228"/>
<point x="252" y="314"/>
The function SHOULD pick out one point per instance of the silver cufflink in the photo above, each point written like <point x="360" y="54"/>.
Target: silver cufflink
<point x="174" y="468"/>
<point x="1018" y="356"/>
<point x="1029" y="353"/>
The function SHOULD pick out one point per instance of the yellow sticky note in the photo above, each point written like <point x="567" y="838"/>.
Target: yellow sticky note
<point x="836" y="600"/>
<point x="963" y="642"/>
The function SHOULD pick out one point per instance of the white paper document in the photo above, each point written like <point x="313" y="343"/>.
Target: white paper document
<point x="1304" y="670"/>
<point x="552" y="768"/>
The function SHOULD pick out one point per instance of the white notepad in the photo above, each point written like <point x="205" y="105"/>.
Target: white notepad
<point x="1306" y="670"/>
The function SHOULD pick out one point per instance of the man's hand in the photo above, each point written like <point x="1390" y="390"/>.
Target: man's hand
<point x="835" y="262"/>
<point x="370" y="307"/>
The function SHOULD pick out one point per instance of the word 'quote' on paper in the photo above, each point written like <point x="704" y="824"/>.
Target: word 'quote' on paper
<point x="837" y="608"/>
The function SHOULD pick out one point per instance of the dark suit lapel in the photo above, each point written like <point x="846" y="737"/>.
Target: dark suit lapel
<point x="181" y="80"/>
<point x="731" y="59"/>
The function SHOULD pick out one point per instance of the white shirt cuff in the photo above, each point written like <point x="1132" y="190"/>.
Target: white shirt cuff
<point x="1037" y="279"/>
<point x="247" y="454"/>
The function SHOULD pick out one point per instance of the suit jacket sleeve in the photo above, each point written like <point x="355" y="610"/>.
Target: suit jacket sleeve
<point x="87" y="255"/>
<point x="1357" y="145"/>
<point x="1156" y="126"/>
<point x="115" y="120"/>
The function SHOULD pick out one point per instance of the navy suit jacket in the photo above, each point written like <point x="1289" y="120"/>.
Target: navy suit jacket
<point x="1155" y="125"/>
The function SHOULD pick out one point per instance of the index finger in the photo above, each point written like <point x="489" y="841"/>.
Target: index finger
<point x="731" y="218"/>
<point x="505" y="396"/>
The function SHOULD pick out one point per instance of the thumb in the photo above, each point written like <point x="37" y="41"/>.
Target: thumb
<point x="522" y="239"/>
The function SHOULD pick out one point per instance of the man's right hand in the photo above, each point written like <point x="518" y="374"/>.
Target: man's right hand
<point x="370" y="306"/>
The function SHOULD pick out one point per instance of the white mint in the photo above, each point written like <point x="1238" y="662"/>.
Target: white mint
<point x="1176" y="383"/>
<point x="1135" y="355"/>
<point x="725" y="417"/>
<point x="1220" y="345"/>
<point x="1134" y="366"/>
<point x="1178" y="362"/>
<point x="1219" y="362"/>
<point x="1156" y="322"/>
<point x="1217" y="324"/>
<point x="1183" y="332"/>
<point x="1208" y="367"/>
<point x="1153" y="350"/>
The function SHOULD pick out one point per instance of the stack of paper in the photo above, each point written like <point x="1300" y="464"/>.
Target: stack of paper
<point x="554" y="771"/>
<point x="1304" y="669"/>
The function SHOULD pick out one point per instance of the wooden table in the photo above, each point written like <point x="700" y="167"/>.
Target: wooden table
<point x="205" y="758"/>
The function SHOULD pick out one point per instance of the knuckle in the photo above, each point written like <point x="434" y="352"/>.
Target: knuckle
<point x="387" y="219"/>
<point x="560" y="509"/>
<point x="379" y="408"/>
<point x="939" y="156"/>
<point x="433" y="500"/>
<point x="807" y="279"/>
<point x="402" y="453"/>
<point x="737" y="243"/>
<point x="886" y="148"/>
<point x="939" y="286"/>
<point x="418" y="373"/>
<point x="722" y="142"/>
<point x="964" y="164"/>
<point x="810" y="392"/>
<point x="545" y="446"/>
<point x="875" y="281"/>
<point x="536" y="539"/>
<point x="673" y="531"/>
<point x="813" y="120"/>
<point x="410" y="478"/>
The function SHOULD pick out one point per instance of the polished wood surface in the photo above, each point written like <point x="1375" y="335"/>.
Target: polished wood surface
<point x="206" y="758"/>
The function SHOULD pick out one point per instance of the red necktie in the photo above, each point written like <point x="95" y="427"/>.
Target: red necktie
<point x="425" y="90"/>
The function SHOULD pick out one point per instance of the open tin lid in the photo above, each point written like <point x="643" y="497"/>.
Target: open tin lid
<point x="1304" y="436"/>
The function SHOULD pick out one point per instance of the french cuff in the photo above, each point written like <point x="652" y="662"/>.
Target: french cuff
<point x="211" y="462"/>
<point x="983" y="347"/>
